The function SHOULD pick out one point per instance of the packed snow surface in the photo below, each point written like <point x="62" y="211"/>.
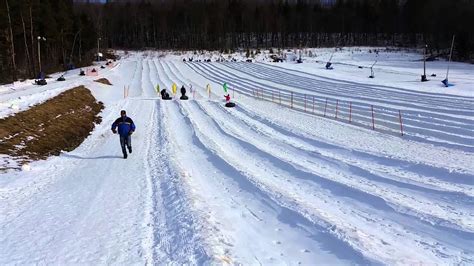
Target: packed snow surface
<point x="260" y="183"/>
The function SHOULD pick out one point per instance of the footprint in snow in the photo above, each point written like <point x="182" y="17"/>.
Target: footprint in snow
<point x="276" y="242"/>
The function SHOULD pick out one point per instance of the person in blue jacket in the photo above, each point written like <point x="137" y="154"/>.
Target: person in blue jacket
<point x="126" y="127"/>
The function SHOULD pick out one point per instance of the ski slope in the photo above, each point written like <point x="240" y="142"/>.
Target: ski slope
<point x="255" y="184"/>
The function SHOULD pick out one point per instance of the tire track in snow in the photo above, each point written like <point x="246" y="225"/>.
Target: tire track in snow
<point x="175" y="236"/>
<point x="266" y="204"/>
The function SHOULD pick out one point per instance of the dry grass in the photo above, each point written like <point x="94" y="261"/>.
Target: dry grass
<point x="61" y="123"/>
<point x="103" y="81"/>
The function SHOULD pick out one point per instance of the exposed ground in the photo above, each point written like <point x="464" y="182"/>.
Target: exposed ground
<point x="59" y="124"/>
<point x="103" y="81"/>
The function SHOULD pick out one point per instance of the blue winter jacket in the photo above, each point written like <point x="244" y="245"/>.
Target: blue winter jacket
<point x="125" y="126"/>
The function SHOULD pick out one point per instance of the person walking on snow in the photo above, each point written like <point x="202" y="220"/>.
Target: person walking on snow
<point x="126" y="127"/>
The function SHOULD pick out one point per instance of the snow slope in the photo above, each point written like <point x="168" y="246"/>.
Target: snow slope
<point x="256" y="184"/>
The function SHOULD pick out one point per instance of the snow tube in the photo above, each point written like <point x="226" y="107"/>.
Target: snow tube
<point x="61" y="78"/>
<point x="230" y="105"/>
<point x="184" y="97"/>
<point x="82" y="73"/>
<point x="41" y="82"/>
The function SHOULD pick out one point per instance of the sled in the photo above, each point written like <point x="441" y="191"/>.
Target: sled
<point x="61" y="78"/>
<point x="184" y="97"/>
<point x="41" y="82"/>
<point x="230" y="105"/>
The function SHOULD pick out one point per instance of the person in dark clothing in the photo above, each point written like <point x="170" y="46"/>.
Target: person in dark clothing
<point x="126" y="127"/>
<point x="165" y="95"/>
<point x="183" y="93"/>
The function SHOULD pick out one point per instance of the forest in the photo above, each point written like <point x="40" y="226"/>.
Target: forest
<point x="62" y="34"/>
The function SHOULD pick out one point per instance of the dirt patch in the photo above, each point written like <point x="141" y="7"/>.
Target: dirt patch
<point x="59" y="124"/>
<point x="103" y="81"/>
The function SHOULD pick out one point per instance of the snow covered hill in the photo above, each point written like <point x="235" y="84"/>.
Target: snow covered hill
<point x="256" y="184"/>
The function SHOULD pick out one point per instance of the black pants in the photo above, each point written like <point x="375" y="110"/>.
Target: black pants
<point x="126" y="141"/>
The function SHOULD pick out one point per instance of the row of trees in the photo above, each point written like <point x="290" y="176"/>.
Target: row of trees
<point x="72" y="28"/>
<point x="67" y="37"/>
<point x="224" y="24"/>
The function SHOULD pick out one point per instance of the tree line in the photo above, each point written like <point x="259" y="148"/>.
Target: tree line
<point x="67" y="37"/>
<point x="226" y="25"/>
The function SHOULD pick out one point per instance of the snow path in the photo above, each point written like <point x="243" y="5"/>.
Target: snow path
<point x="258" y="184"/>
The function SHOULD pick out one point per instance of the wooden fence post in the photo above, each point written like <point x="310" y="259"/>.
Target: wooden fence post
<point x="350" y="112"/>
<point x="291" y="100"/>
<point x="325" y="107"/>
<point x="373" y="117"/>
<point x="305" y="103"/>
<point x="401" y="122"/>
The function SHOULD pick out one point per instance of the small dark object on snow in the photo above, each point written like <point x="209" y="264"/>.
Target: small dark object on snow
<point x="230" y="104"/>
<point x="360" y="67"/>
<point x="41" y="82"/>
<point x="208" y="60"/>
<point x="299" y="61"/>
<point x="165" y="95"/>
<point x="183" y="94"/>
<point x="445" y="82"/>
<point x="82" y="73"/>
<point x="190" y="59"/>
<point x="423" y="78"/>
<point x="102" y="67"/>
<point x="433" y="75"/>
<point x="249" y="60"/>
<point x="371" y="76"/>
<point x="93" y="70"/>
<point x="184" y="59"/>
<point x="61" y="78"/>
<point x="329" y="66"/>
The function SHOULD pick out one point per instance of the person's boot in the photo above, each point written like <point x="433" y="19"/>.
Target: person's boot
<point x="125" y="155"/>
<point x="130" y="149"/>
